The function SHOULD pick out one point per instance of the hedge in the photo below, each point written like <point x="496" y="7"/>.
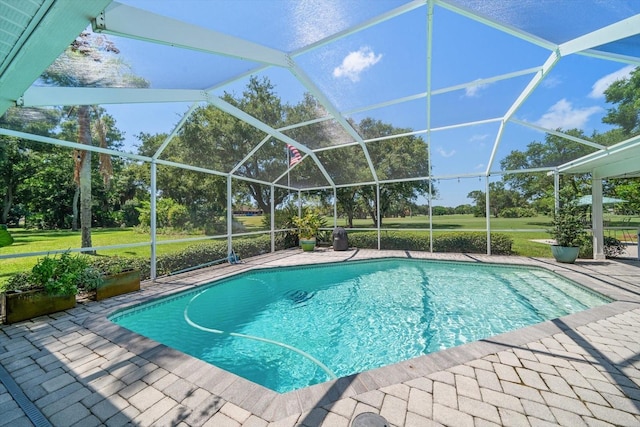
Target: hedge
<point x="203" y="253"/>
<point x="462" y="242"/>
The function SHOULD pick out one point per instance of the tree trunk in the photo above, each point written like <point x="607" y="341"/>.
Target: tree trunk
<point x="7" y="202"/>
<point x="84" y="136"/>
<point x="76" y="197"/>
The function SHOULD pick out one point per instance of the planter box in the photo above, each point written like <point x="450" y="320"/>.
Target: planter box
<point x="20" y="306"/>
<point x="118" y="284"/>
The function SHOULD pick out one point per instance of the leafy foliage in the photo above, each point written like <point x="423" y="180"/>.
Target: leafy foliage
<point x="466" y="242"/>
<point x="626" y="94"/>
<point x="108" y="265"/>
<point x="309" y="223"/>
<point x="57" y="275"/>
<point x="568" y="226"/>
<point x="500" y="199"/>
<point x="5" y="237"/>
<point x="612" y="247"/>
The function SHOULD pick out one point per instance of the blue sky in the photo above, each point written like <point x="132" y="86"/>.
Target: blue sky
<point x="378" y="64"/>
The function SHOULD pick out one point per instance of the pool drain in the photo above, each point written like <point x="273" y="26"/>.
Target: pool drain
<point x="369" y="419"/>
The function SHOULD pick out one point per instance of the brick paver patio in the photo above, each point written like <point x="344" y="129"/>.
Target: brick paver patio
<point x="581" y="370"/>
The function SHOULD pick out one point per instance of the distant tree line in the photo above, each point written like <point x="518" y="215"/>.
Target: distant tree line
<point x="39" y="181"/>
<point x="529" y="194"/>
<point x="44" y="184"/>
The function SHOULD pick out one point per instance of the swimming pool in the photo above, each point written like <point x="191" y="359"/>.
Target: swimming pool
<point x="288" y="328"/>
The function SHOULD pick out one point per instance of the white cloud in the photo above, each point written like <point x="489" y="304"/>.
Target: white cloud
<point x="551" y="82"/>
<point x="478" y="137"/>
<point x="472" y="91"/>
<point x="563" y="115"/>
<point x="444" y="153"/>
<point x="355" y="63"/>
<point x="598" y="88"/>
<point x="480" y="166"/>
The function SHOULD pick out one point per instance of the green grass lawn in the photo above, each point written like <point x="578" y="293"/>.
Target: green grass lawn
<point x="26" y="241"/>
<point x="41" y="241"/>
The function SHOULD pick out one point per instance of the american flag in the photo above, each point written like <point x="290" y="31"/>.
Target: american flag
<point x="295" y="155"/>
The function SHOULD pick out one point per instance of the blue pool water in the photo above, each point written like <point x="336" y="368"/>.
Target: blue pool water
<point x="289" y="328"/>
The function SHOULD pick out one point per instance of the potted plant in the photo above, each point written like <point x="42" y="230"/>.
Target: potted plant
<point x="568" y="232"/>
<point x="308" y="226"/>
<point x="50" y="286"/>
<point x="118" y="276"/>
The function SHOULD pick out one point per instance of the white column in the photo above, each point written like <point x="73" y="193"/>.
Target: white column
<point x="229" y="215"/>
<point x="488" y="214"/>
<point x="378" y="211"/>
<point x="273" y="218"/>
<point x="154" y="191"/>
<point x="335" y="207"/>
<point x="596" y="218"/>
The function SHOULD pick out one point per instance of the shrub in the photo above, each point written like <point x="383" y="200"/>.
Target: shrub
<point x="5" y="237"/>
<point x="612" y="247"/>
<point x="199" y="254"/>
<point x="567" y="226"/>
<point x="19" y="282"/>
<point x="107" y="265"/>
<point x="517" y="213"/>
<point x="58" y="275"/>
<point x="468" y="242"/>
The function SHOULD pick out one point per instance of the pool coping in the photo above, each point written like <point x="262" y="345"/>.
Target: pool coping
<point x="272" y="406"/>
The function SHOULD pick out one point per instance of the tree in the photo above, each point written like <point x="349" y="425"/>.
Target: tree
<point x="90" y="61"/>
<point x="203" y="195"/>
<point x="216" y="140"/>
<point x="500" y="198"/>
<point x="101" y="169"/>
<point x="626" y="94"/>
<point x="554" y="151"/>
<point x="17" y="161"/>
<point x="395" y="158"/>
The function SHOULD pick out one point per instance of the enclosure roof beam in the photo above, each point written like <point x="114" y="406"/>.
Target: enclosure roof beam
<point x="548" y="65"/>
<point x="38" y="96"/>
<point x="250" y="154"/>
<point x="239" y="114"/>
<point x="37" y="48"/>
<point x="126" y="21"/>
<point x="622" y="29"/>
<point x="497" y="25"/>
<point x="74" y="145"/>
<point x="560" y="134"/>
<point x="326" y="103"/>
<point x="175" y="130"/>
<point x="407" y="7"/>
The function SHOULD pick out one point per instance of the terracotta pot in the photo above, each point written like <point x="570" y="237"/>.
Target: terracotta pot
<point x="20" y="306"/>
<point x="117" y="284"/>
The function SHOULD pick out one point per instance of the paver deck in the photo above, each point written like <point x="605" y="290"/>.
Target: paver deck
<point x="580" y="370"/>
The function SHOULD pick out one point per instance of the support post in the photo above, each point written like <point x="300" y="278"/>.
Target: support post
<point x="229" y="215"/>
<point x="273" y="218"/>
<point x="597" y="218"/>
<point x="556" y="190"/>
<point x="488" y="214"/>
<point x="378" y="211"/>
<point x="335" y="207"/>
<point x="153" y="225"/>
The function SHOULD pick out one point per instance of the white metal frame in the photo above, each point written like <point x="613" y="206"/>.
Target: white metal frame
<point x="126" y="21"/>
